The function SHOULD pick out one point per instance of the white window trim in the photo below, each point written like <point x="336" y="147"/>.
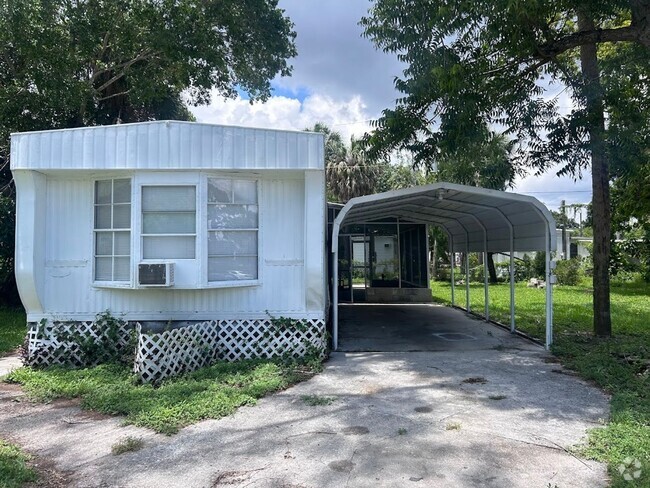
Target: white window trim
<point x="260" y="220"/>
<point x="200" y="181"/>
<point x="125" y="284"/>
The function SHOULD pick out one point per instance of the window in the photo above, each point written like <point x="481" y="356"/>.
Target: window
<point x="113" y="230"/>
<point x="169" y="222"/>
<point x="232" y="229"/>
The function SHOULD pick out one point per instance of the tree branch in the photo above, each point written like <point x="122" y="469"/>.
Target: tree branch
<point x="622" y="34"/>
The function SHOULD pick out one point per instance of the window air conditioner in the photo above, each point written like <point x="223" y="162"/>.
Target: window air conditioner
<point x="159" y="274"/>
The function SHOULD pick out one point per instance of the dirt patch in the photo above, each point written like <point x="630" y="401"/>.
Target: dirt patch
<point x="48" y="475"/>
<point x="372" y="389"/>
<point x="423" y="409"/>
<point x="475" y="380"/>
<point x="356" y="430"/>
<point x="343" y="466"/>
<point x="231" y="478"/>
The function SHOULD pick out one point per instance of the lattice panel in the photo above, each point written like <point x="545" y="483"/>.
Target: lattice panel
<point x="46" y="348"/>
<point x="247" y="339"/>
<point x="176" y="351"/>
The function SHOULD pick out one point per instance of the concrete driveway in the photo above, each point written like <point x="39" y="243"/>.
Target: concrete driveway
<point x="499" y="416"/>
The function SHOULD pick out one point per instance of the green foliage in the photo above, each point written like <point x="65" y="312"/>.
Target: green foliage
<point x="539" y="264"/>
<point x="317" y="400"/>
<point x="128" y="444"/>
<point x="14" y="468"/>
<point x="13" y="328"/>
<point x="104" y="347"/>
<point x="208" y="393"/>
<point x="568" y="272"/>
<point x="8" y="290"/>
<point x="619" y="364"/>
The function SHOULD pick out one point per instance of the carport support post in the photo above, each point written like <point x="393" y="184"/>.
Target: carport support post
<point x="451" y="262"/>
<point x="549" y="293"/>
<point x="512" y="280"/>
<point x="485" y="276"/>
<point x="467" y="273"/>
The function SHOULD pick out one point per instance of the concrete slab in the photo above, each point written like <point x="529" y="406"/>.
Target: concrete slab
<point x="9" y="363"/>
<point x="425" y="327"/>
<point x="397" y="419"/>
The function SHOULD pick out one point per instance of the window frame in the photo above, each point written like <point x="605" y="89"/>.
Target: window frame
<point x="196" y="269"/>
<point x="205" y="204"/>
<point x="112" y="230"/>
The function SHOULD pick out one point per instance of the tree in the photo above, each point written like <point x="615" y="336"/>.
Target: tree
<point x="475" y="63"/>
<point x="85" y="62"/>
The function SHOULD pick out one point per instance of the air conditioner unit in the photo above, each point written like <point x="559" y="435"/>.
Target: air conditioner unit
<point x="159" y="274"/>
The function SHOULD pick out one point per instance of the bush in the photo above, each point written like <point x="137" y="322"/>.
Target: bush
<point x="568" y="272"/>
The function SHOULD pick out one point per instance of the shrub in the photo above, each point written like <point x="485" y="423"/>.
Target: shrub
<point x="568" y="272"/>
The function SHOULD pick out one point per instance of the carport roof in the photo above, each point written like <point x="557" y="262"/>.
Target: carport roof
<point x="473" y="217"/>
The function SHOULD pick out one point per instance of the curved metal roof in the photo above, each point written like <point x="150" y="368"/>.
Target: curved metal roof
<point x="470" y="215"/>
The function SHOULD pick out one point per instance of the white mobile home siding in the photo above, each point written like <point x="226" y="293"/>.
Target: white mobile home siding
<point x="55" y="173"/>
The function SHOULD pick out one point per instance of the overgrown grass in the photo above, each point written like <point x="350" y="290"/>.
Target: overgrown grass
<point x="208" y="393"/>
<point x="14" y="470"/>
<point x="620" y="365"/>
<point x="13" y="328"/>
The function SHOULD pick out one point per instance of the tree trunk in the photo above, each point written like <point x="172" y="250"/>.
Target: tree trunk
<point x="434" y="259"/>
<point x="491" y="269"/>
<point x="601" y="210"/>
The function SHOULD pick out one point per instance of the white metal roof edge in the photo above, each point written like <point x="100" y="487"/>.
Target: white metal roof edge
<point x="502" y="195"/>
<point x="165" y="122"/>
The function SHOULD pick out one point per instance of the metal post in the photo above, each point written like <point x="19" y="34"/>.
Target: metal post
<point x="335" y="292"/>
<point x="467" y="307"/>
<point x="451" y="261"/>
<point x="512" y="281"/>
<point x="485" y="277"/>
<point x="426" y="240"/>
<point x="399" y="259"/>
<point x="351" y="267"/>
<point x="549" y="293"/>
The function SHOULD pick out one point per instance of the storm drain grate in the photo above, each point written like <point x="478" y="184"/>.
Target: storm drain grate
<point x="455" y="336"/>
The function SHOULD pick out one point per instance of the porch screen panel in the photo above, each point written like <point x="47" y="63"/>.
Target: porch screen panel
<point x="232" y="222"/>
<point x="112" y="230"/>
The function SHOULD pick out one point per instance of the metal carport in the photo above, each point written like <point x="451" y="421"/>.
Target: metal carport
<point x="475" y="220"/>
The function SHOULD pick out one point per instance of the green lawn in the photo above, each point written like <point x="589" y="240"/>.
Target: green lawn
<point x="13" y="328"/>
<point x="620" y="365"/>
<point x="208" y="393"/>
<point x="14" y="470"/>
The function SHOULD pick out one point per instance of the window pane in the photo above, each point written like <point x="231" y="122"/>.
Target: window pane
<point x="122" y="191"/>
<point x="103" y="191"/>
<point x="232" y="216"/>
<point x="103" y="217"/>
<point x="173" y="247"/>
<point x="121" y="216"/>
<point x="103" y="271"/>
<point x="122" y="243"/>
<point x="245" y="191"/>
<point x="219" y="190"/>
<point x="104" y="243"/>
<point x="169" y="223"/>
<point x="232" y="243"/>
<point x="232" y="269"/>
<point x="168" y="198"/>
<point x="122" y="271"/>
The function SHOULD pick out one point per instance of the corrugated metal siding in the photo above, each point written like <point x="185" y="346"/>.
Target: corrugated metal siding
<point x="69" y="241"/>
<point x="166" y="145"/>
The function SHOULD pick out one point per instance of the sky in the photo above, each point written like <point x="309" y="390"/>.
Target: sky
<point x="340" y="79"/>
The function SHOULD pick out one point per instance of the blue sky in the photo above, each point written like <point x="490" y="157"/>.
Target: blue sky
<point x="339" y="78"/>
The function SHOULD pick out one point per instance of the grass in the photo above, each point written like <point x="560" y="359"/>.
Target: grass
<point x="14" y="468"/>
<point x="13" y="328"/>
<point x="128" y="444"/>
<point x="317" y="400"/>
<point x="208" y="393"/>
<point x="620" y="365"/>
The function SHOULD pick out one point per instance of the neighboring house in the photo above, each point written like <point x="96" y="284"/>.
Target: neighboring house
<point x="195" y="235"/>
<point x="570" y="246"/>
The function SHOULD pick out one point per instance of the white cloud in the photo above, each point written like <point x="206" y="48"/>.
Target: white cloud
<point x="347" y="116"/>
<point x="551" y="189"/>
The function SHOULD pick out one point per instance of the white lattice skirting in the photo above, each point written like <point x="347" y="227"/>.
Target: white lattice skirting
<point x="165" y="354"/>
<point x="48" y="342"/>
<point x="160" y="355"/>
